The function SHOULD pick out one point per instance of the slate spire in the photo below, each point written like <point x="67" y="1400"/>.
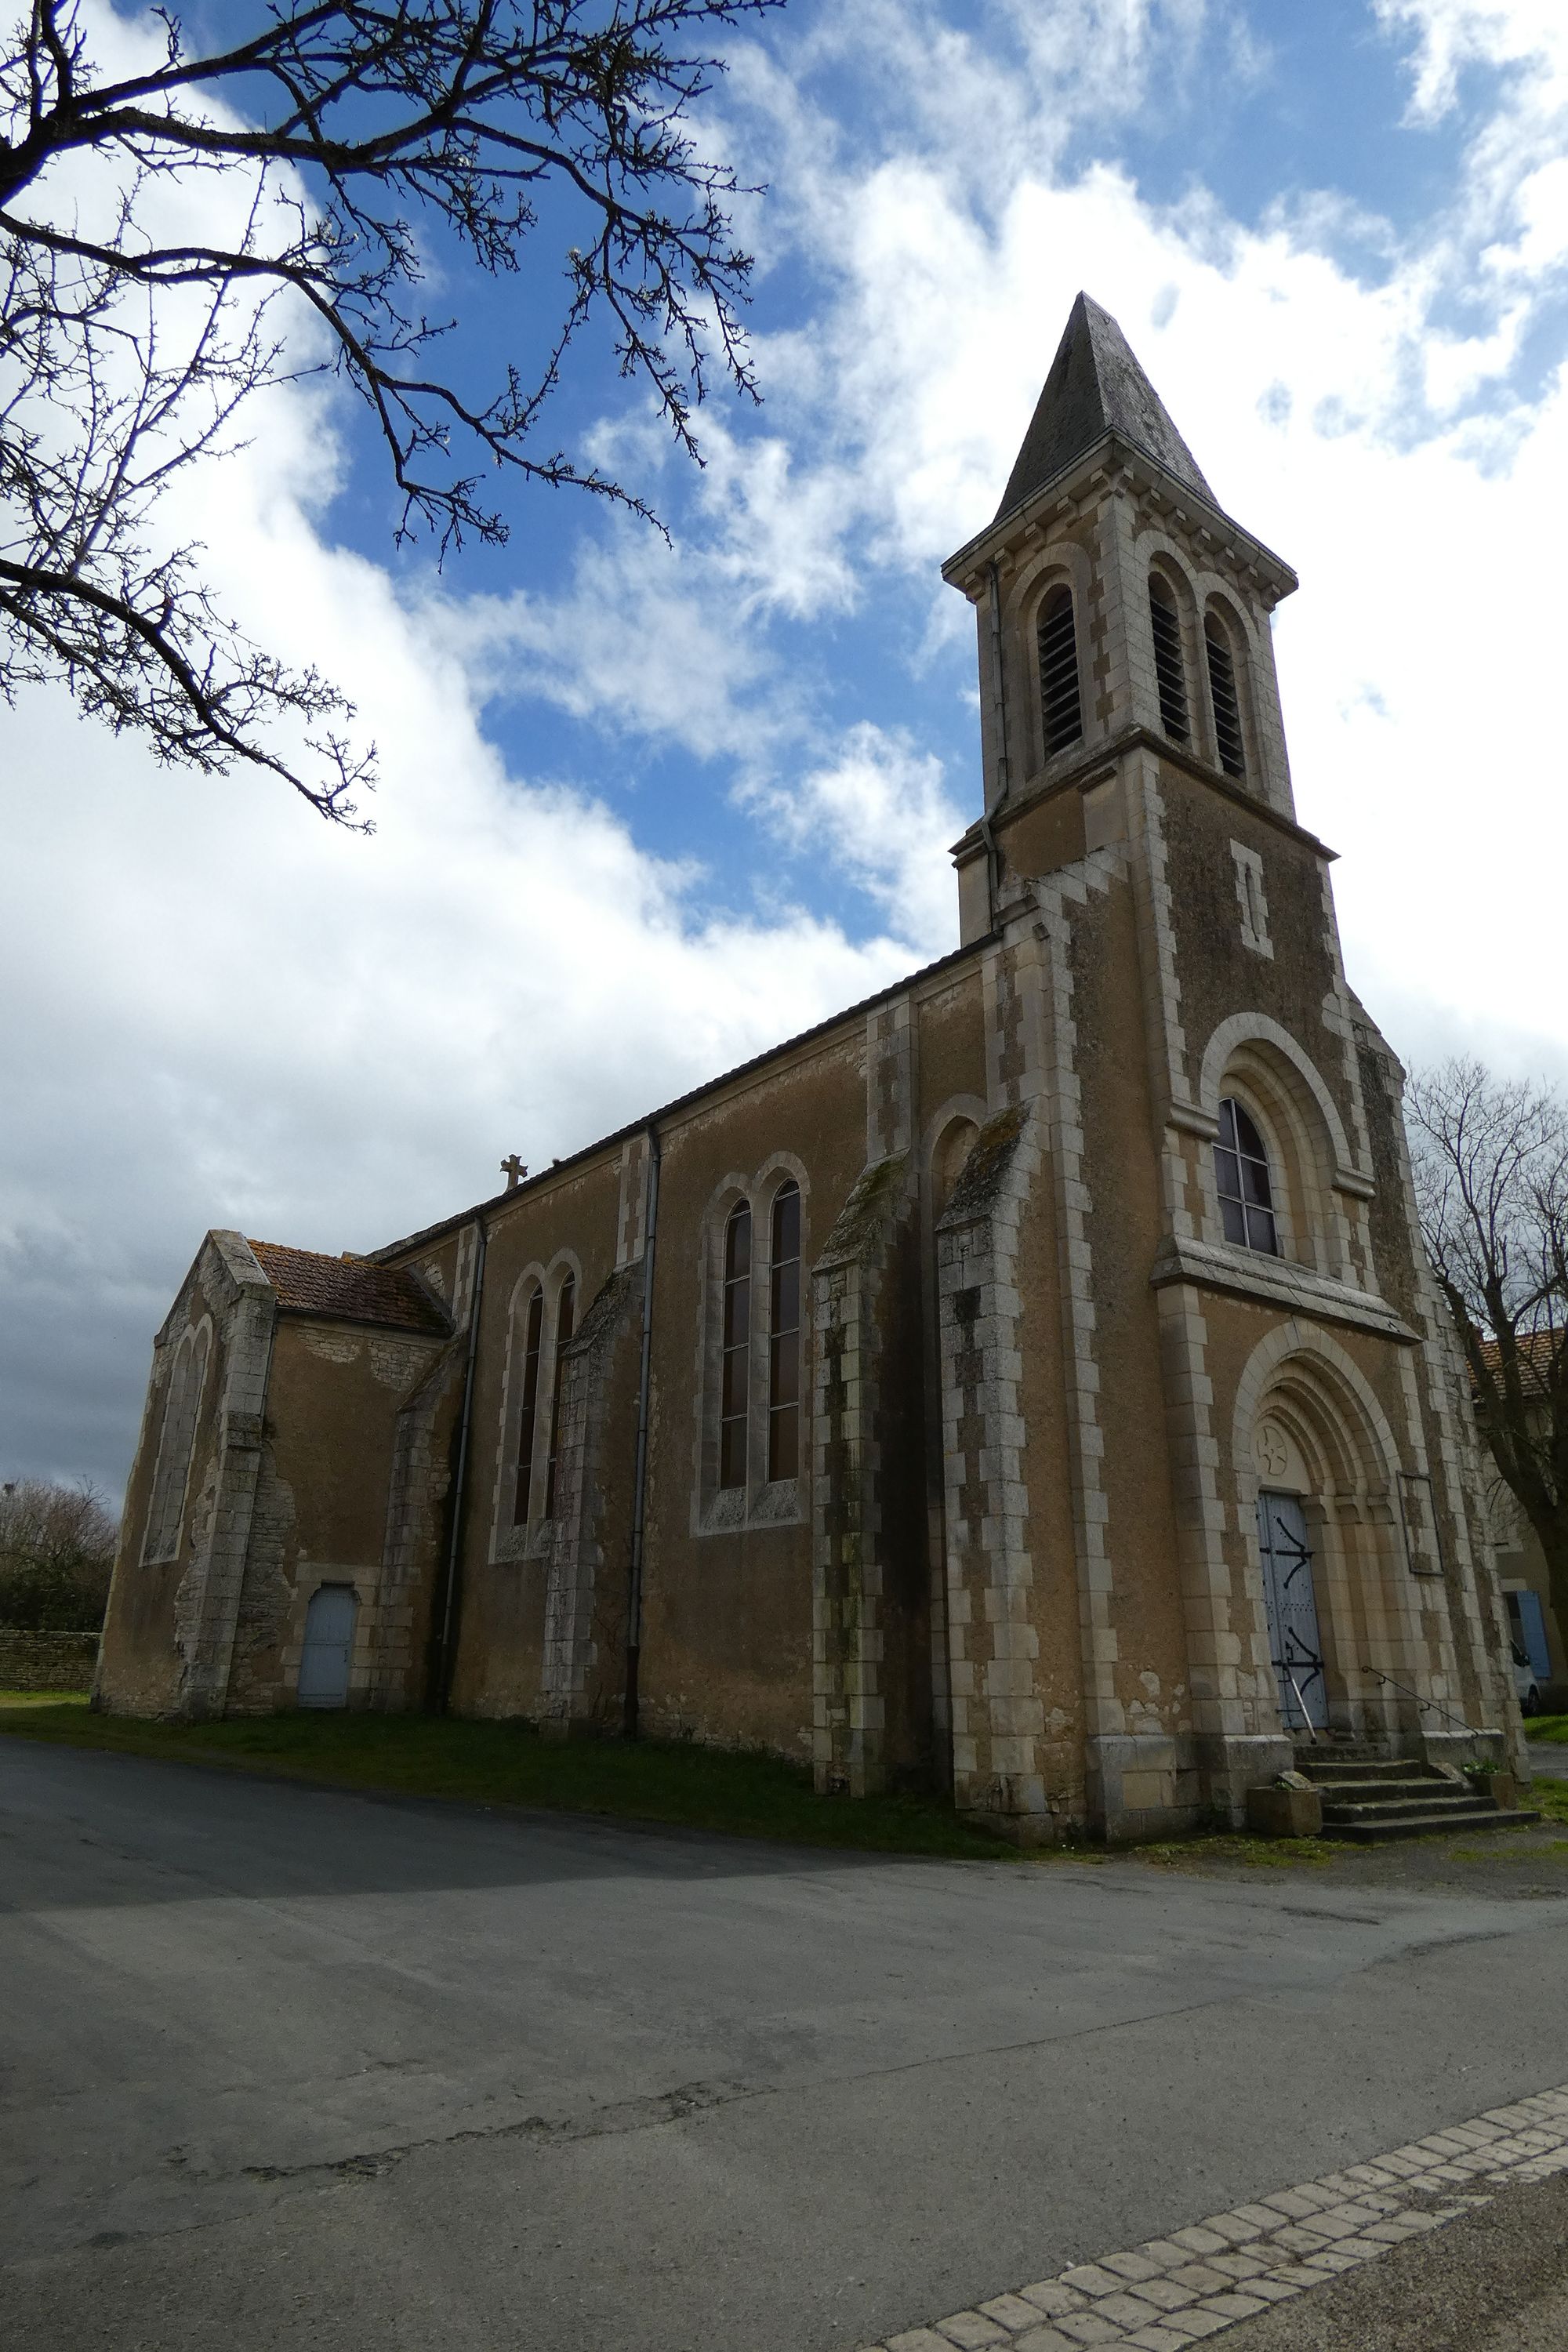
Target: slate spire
<point x="1095" y="387"/>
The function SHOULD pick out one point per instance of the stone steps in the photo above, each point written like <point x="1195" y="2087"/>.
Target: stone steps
<point x="1430" y="1820"/>
<point x="1375" y="1799"/>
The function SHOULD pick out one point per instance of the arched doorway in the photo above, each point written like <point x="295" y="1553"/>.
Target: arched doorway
<point x="1317" y="1467"/>
<point x="328" y="1646"/>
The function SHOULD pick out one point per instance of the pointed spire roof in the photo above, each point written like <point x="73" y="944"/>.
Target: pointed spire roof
<point x="1095" y="387"/>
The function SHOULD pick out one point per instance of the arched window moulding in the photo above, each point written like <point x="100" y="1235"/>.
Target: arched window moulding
<point x="176" y="1445"/>
<point x="725" y="1497"/>
<point x="1201" y="590"/>
<point x="1064" y="564"/>
<point x="1259" y="1028"/>
<point x="949" y="1135"/>
<point x="1159" y="560"/>
<point x="515" y="1538"/>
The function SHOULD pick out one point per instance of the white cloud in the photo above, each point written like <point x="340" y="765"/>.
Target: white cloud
<point x="891" y="816"/>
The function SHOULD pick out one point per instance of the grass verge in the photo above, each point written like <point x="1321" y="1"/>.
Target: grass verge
<point x="1549" y="1798"/>
<point x="680" y="1784"/>
<point x="1547" y="1727"/>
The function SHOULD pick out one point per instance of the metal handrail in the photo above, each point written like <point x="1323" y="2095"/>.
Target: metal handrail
<point x="1435" y="1705"/>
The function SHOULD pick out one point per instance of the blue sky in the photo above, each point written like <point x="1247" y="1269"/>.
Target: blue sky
<point x="645" y="809"/>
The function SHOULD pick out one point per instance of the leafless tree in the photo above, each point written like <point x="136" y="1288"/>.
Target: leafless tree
<point x="57" y="1552"/>
<point x="1491" y="1182"/>
<point x="335" y="152"/>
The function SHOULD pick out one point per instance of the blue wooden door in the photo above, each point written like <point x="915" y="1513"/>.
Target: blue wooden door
<point x="328" y="1646"/>
<point x="1293" y="1638"/>
<point x="1530" y="1631"/>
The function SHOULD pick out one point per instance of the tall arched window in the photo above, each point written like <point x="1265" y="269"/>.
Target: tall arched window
<point x="1241" y="1178"/>
<point x="1223" y="698"/>
<point x="566" y="1315"/>
<point x="784" y="1336"/>
<point x="1057" y="637"/>
<point x="528" y="1420"/>
<point x="734" y="1385"/>
<point x="1170" y="672"/>
<point x="166" y="1512"/>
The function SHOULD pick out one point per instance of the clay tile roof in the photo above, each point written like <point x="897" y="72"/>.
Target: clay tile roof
<point x="348" y="1289"/>
<point x="1535" y="1355"/>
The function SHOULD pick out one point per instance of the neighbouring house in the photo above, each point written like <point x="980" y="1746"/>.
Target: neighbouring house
<point x="1028" y="1381"/>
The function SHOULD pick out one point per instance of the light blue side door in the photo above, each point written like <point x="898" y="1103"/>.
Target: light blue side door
<point x="1293" y="1637"/>
<point x="328" y="1646"/>
<point x="1533" y="1633"/>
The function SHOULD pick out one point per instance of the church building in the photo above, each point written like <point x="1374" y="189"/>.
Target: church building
<point x="1028" y="1383"/>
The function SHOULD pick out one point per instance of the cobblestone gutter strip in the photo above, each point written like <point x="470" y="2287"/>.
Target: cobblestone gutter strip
<point x="1178" y="2290"/>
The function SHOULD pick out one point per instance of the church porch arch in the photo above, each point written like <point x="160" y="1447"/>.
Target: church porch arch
<point x="1308" y="1423"/>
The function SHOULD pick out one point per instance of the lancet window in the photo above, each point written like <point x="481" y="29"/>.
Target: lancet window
<point x="166" y="1513"/>
<point x="784" y="1335"/>
<point x="1243" y="1181"/>
<point x="528" y="1420"/>
<point x="735" y="1360"/>
<point x="1224" y="699"/>
<point x="1061" y="709"/>
<point x="1170" y="671"/>
<point x="565" y="1322"/>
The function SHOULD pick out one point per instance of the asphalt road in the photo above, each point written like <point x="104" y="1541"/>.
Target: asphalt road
<point x="288" y="2068"/>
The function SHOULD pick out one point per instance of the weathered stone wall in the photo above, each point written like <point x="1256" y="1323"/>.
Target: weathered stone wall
<point x="347" y="1464"/>
<point x="47" y="1662"/>
<point x="169" y="1627"/>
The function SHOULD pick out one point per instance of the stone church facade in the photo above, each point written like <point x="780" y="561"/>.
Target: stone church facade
<point x="1028" y="1383"/>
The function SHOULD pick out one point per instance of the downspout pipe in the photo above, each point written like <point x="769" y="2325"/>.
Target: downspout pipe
<point x="634" y="1581"/>
<point x="1001" y="778"/>
<point x="446" y="1660"/>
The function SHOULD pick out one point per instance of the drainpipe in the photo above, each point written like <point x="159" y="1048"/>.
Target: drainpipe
<point x="634" y="1585"/>
<point x="460" y="1481"/>
<point x="999" y="700"/>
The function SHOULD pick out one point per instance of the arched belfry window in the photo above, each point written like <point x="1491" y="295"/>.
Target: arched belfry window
<point x="528" y="1420"/>
<point x="1170" y="672"/>
<point x="1224" y="699"/>
<point x="784" y="1335"/>
<point x="566" y="1323"/>
<point x="1242" y="1181"/>
<point x="1057" y="637"/>
<point x="734" y="1384"/>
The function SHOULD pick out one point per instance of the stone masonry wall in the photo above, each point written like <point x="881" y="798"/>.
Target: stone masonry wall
<point x="47" y="1662"/>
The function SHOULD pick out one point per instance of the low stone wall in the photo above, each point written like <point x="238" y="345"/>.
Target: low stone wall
<point x="33" y="1662"/>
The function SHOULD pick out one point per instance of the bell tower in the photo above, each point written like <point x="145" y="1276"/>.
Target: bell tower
<point x="1120" y="610"/>
<point x="1171" y="1033"/>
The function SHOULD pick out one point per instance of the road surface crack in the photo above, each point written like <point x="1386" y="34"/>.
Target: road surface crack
<point x="624" y="2116"/>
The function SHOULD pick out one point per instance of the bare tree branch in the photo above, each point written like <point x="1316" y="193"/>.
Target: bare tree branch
<point x="360" y="136"/>
<point x="1490" y="1159"/>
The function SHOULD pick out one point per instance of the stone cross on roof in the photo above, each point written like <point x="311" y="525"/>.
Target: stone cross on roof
<point x="1095" y="387"/>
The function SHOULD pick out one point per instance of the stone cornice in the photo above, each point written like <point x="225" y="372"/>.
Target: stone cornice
<point x="1113" y="461"/>
<point x="1080" y="772"/>
<point x="1276" y="1282"/>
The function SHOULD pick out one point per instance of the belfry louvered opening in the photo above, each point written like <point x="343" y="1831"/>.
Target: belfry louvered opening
<point x="1060" y="704"/>
<point x="1223" y="698"/>
<point x="1169" y="671"/>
